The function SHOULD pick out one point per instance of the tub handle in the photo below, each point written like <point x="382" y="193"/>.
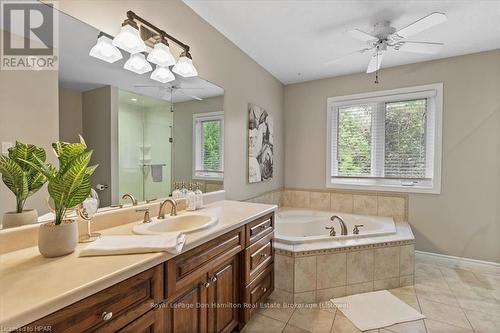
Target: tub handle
<point x="356" y="228"/>
<point x="332" y="230"/>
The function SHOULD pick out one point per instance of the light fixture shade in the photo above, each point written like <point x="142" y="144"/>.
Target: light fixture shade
<point x="162" y="74"/>
<point x="128" y="39"/>
<point x="105" y="50"/>
<point x="184" y="67"/>
<point x="161" y="55"/>
<point x="137" y="63"/>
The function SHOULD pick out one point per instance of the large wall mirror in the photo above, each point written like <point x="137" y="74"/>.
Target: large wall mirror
<point x="147" y="136"/>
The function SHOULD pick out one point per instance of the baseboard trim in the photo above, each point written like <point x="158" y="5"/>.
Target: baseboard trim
<point x="458" y="259"/>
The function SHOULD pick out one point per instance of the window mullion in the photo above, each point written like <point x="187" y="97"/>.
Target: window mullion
<point x="378" y="140"/>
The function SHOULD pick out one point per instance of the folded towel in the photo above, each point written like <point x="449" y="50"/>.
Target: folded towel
<point x="112" y="245"/>
<point x="157" y="172"/>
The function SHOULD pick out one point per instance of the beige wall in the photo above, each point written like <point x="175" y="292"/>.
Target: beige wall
<point x="464" y="220"/>
<point x="183" y="133"/>
<point x="70" y="115"/>
<point x="218" y="60"/>
<point x="28" y="113"/>
<point x="100" y="131"/>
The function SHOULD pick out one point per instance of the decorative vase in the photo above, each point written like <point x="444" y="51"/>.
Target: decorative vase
<point x="58" y="240"/>
<point x="13" y="219"/>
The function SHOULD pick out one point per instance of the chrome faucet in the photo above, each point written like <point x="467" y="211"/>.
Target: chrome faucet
<point x="173" y="210"/>
<point x="146" y="218"/>
<point x="343" y="227"/>
<point x="131" y="197"/>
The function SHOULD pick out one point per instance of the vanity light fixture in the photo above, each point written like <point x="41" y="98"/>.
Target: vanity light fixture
<point x="105" y="50"/>
<point x="133" y="37"/>
<point x="137" y="63"/>
<point x="128" y="38"/>
<point x="184" y="66"/>
<point x="161" y="54"/>
<point x="162" y="74"/>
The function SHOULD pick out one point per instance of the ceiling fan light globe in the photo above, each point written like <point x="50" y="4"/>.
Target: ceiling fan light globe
<point x="161" y="55"/>
<point x="162" y="74"/>
<point x="128" y="39"/>
<point x="105" y="50"/>
<point x="184" y="67"/>
<point x="137" y="63"/>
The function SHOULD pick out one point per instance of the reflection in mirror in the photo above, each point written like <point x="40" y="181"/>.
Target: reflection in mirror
<point x="147" y="137"/>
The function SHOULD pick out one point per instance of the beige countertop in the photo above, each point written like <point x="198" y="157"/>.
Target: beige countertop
<point x="32" y="286"/>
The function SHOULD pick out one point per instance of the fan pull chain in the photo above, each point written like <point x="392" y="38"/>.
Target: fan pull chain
<point x="376" y="77"/>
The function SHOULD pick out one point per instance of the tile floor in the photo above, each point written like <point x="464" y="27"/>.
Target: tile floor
<point x="455" y="298"/>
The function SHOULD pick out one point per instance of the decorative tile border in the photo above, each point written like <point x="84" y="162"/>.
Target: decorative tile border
<point x="343" y="249"/>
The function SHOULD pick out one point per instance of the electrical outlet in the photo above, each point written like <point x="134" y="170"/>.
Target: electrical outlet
<point x="6" y="146"/>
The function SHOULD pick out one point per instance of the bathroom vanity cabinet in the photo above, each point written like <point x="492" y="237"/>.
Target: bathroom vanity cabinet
<point x="215" y="287"/>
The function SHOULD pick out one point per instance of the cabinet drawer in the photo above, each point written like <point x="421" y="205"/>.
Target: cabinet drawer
<point x="185" y="268"/>
<point x="258" y="256"/>
<point x="257" y="229"/>
<point x="151" y="322"/>
<point x="258" y="291"/>
<point x="123" y="303"/>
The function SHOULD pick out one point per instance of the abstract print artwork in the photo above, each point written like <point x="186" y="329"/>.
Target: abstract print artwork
<point x="260" y="144"/>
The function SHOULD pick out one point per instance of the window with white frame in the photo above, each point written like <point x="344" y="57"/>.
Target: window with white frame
<point x="386" y="140"/>
<point x="208" y="146"/>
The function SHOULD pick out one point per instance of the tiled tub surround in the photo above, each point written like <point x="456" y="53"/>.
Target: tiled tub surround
<point x="317" y="276"/>
<point x="318" y="271"/>
<point x="391" y="204"/>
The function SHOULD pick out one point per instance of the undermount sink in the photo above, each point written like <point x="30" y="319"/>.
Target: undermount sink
<point x="181" y="223"/>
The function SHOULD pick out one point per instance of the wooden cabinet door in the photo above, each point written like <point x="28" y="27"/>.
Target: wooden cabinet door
<point x="223" y="297"/>
<point x="187" y="313"/>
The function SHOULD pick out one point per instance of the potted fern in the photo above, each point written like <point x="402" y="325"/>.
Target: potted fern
<point x="23" y="180"/>
<point x="68" y="187"/>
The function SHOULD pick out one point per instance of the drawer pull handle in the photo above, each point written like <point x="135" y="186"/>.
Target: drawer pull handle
<point x="214" y="279"/>
<point x="206" y="284"/>
<point x="264" y="289"/>
<point x="106" y="315"/>
<point x="263" y="255"/>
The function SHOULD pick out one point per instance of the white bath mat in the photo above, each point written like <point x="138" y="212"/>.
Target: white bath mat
<point x="375" y="309"/>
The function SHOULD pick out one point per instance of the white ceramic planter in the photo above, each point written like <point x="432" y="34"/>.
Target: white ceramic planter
<point x="13" y="219"/>
<point x="57" y="240"/>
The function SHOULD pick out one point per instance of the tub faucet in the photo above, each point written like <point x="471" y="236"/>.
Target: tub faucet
<point x="173" y="210"/>
<point x="131" y="197"/>
<point x="343" y="227"/>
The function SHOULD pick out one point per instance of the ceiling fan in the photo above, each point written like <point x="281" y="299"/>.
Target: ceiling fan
<point x="386" y="37"/>
<point x="172" y="89"/>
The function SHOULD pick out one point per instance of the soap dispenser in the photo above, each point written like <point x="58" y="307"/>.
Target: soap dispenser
<point x="198" y="196"/>
<point x="191" y="199"/>
<point x="184" y="190"/>
<point x="176" y="194"/>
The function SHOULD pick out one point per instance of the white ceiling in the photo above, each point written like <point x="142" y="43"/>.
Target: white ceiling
<point x="288" y="37"/>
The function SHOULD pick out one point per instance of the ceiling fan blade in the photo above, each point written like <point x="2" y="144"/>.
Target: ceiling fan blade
<point x="375" y="62"/>
<point x="421" y="25"/>
<point x="329" y="62"/>
<point x="361" y="35"/>
<point x="420" y="47"/>
<point x="192" y="96"/>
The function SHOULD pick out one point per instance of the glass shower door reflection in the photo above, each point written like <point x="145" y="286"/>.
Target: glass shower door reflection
<point x="145" y="152"/>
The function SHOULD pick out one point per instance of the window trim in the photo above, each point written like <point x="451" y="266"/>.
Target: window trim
<point x="371" y="184"/>
<point x="207" y="116"/>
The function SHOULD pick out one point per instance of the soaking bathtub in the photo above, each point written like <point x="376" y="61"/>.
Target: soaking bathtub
<point x="312" y="266"/>
<point x="298" y="226"/>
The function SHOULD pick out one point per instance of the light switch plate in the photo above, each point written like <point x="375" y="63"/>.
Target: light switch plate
<point x="6" y="146"/>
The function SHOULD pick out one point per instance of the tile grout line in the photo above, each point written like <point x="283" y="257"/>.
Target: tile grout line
<point x="459" y="307"/>
<point x="458" y="302"/>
